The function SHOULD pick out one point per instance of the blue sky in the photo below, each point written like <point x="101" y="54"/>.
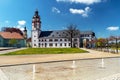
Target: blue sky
<point x="100" y="16"/>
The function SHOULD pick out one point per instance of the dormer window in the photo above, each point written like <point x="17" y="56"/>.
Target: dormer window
<point x="52" y="35"/>
<point x="59" y="35"/>
<point x="56" y="32"/>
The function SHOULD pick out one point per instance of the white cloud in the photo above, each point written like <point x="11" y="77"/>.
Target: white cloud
<point x="82" y="12"/>
<point x="20" y="27"/>
<point x="113" y="28"/>
<point x="56" y="10"/>
<point x="87" y="2"/>
<point x="21" y="22"/>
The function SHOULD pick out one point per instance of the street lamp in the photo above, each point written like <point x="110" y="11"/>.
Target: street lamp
<point x="116" y="39"/>
<point x="107" y="44"/>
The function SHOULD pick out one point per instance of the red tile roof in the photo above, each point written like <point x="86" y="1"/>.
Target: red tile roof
<point x="29" y="39"/>
<point x="11" y="35"/>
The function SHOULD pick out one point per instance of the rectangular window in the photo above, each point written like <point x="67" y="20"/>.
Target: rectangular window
<point x="51" y="44"/>
<point x="69" y="44"/>
<point x="56" y="40"/>
<point x="50" y="40"/>
<point x="39" y="44"/>
<point x="65" y="44"/>
<point x="45" y="44"/>
<point x="65" y="39"/>
<point x="60" y="39"/>
<point x="75" y="39"/>
<point x="34" y="44"/>
<point x="55" y="44"/>
<point x="82" y="35"/>
<point x="60" y="44"/>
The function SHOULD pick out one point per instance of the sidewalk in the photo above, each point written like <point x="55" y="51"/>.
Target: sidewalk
<point x="10" y="50"/>
<point x="27" y="59"/>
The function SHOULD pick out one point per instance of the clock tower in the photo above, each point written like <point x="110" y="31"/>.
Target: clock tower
<point x="36" y="29"/>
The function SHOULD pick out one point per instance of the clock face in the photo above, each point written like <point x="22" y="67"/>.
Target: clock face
<point x="37" y="19"/>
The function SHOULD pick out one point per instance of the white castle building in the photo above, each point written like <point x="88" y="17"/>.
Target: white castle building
<point x="55" y="39"/>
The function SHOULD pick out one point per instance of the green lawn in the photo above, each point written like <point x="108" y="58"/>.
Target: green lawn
<point x="47" y="51"/>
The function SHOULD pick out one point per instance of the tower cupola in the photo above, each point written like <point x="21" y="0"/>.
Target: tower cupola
<point x="36" y="22"/>
<point x="25" y="32"/>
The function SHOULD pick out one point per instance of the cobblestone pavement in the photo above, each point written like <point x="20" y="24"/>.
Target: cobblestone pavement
<point x="111" y="77"/>
<point x="85" y="69"/>
<point x="90" y="69"/>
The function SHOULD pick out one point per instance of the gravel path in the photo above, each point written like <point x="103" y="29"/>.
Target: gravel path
<point x="25" y="59"/>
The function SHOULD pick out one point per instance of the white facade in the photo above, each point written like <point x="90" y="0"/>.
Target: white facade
<point x="54" y="43"/>
<point x="52" y="39"/>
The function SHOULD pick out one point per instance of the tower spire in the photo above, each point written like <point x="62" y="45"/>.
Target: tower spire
<point x="25" y="32"/>
<point x="36" y="29"/>
<point x="36" y="23"/>
<point x="36" y="12"/>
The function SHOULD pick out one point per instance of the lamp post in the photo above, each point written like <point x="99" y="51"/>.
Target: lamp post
<point x="116" y="39"/>
<point x="107" y="44"/>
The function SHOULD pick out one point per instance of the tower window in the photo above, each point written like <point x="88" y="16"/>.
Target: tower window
<point x="65" y="39"/>
<point x="75" y="39"/>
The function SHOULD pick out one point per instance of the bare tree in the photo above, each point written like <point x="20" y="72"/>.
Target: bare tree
<point x="11" y="29"/>
<point x="116" y="45"/>
<point x="72" y="33"/>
